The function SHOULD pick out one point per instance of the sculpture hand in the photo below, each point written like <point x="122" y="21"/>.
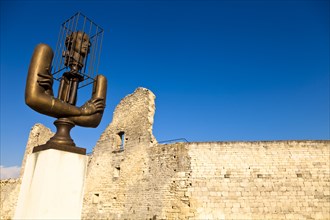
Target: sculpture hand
<point x="46" y="81"/>
<point x="97" y="102"/>
<point x="93" y="106"/>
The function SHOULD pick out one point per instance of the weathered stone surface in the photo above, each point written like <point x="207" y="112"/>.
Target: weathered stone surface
<point x="214" y="180"/>
<point x="9" y="190"/>
<point x="134" y="116"/>
<point x="219" y="180"/>
<point x="39" y="134"/>
<point x="119" y="159"/>
<point x="260" y="180"/>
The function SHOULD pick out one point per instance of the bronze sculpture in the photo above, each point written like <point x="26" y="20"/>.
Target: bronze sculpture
<point x="39" y="93"/>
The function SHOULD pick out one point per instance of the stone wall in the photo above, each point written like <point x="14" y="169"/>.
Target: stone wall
<point x="260" y="180"/>
<point x="216" y="180"/>
<point x="119" y="160"/>
<point x="131" y="176"/>
<point x="219" y="180"/>
<point x="9" y="190"/>
<point x="39" y="134"/>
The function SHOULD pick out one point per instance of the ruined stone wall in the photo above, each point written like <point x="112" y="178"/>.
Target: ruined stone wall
<point x="260" y="180"/>
<point x="131" y="176"/>
<point x="216" y="180"/>
<point x="219" y="180"/>
<point x="120" y="159"/>
<point x="134" y="116"/>
<point x="9" y="190"/>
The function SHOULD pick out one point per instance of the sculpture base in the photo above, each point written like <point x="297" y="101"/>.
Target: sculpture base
<point x="67" y="148"/>
<point x="62" y="139"/>
<point x="52" y="186"/>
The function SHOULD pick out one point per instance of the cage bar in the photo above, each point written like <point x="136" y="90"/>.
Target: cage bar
<point x="79" y="22"/>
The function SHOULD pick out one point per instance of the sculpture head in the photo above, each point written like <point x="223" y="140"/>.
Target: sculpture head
<point x="77" y="44"/>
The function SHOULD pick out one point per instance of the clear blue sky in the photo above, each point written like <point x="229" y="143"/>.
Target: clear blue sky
<point x="221" y="70"/>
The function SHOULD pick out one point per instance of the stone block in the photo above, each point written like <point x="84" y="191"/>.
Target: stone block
<point x="52" y="186"/>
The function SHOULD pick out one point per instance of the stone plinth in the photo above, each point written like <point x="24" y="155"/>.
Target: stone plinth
<point x="52" y="186"/>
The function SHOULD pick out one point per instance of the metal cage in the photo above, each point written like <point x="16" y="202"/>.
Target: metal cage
<point x="79" y="22"/>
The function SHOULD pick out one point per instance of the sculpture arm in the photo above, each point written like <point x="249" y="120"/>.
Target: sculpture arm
<point x="99" y="96"/>
<point x="38" y="90"/>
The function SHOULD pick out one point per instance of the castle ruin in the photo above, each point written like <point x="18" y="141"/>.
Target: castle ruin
<point x="131" y="176"/>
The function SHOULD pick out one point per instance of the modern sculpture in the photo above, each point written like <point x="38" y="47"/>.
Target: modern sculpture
<point x="53" y="181"/>
<point x="75" y="63"/>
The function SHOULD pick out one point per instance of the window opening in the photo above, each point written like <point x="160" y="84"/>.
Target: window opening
<point x="122" y="140"/>
<point x="96" y="198"/>
<point x="116" y="172"/>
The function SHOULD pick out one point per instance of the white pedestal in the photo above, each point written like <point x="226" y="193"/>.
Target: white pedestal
<point x="52" y="186"/>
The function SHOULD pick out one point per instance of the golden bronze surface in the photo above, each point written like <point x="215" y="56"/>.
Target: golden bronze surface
<point x="39" y="93"/>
